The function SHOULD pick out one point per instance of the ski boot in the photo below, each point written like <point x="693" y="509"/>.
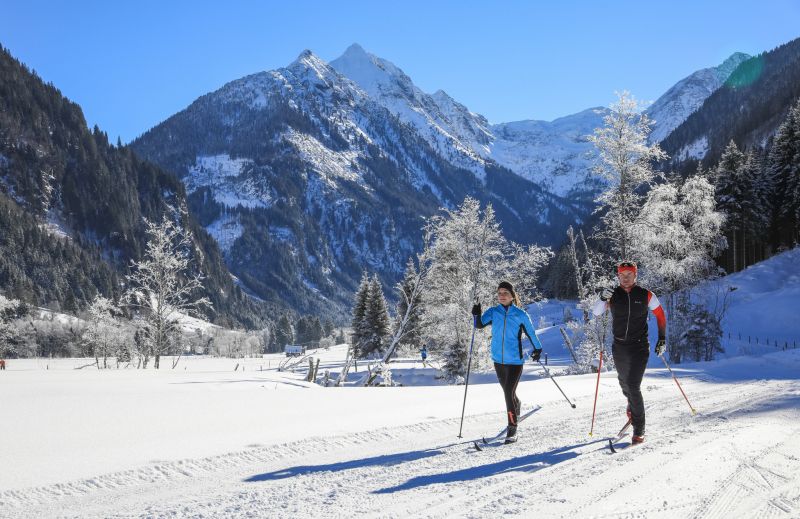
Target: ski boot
<point x="511" y="432"/>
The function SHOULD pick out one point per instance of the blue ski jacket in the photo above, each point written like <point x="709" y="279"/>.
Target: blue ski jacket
<point x="508" y="326"/>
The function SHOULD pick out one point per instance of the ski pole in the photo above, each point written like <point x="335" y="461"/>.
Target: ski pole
<point x="556" y="383"/>
<point x="596" y="391"/>
<point x="469" y="365"/>
<point x="678" y="383"/>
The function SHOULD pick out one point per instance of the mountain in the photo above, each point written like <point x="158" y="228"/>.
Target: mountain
<point x="688" y="94"/>
<point x="305" y="178"/>
<point x="748" y="108"/>
<point x="558" y="155"/>
<point x="72" y="206"/>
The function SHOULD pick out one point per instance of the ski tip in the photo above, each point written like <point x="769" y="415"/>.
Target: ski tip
<point x="485" y="441"/>
<point x="611" y="446"/>
<point x="477" y="447"/>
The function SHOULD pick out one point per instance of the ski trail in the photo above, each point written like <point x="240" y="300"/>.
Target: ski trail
<point x="422" y="470"/>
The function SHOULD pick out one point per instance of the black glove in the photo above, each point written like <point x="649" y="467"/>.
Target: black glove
<point x="606" y="293"/>
<point x="476" y="310"/>
<point x="661" y="345"/>
<point x="536" y="354"/>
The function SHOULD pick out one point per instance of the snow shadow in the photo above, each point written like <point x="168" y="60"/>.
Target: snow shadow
<point x="387" y="460"/>
<point x="529" y="463"/>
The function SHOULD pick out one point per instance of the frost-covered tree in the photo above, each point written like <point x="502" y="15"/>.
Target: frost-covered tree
<point x="102" y="330"/>
<point x="162" y="286"/>
<point x="589" y="335"/>
<point x="676" y="241"/>
<point x="408" y="314"/>
<point x="8" y="333"/>
<point x="700" y="332"/>
<point x="626" y="164"/>
<point x="469" y="257"/>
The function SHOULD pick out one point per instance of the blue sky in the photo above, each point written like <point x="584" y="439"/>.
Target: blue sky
<point x="130" y="65"/>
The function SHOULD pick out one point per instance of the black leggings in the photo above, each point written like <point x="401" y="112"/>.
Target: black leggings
<point x="508" y="375"/>
<point x="631" y="362"/>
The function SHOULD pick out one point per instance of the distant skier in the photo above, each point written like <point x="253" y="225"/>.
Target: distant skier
<point x="424" y="353"/>
<point x="2" y="364"/>
<point x="629" y="304"/>
<point x="509" y="322"/>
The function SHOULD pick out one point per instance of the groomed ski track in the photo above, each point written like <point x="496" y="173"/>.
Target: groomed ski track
<point x="740" y="457"/>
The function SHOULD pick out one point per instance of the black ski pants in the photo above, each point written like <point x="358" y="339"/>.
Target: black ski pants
<point x="631" y="361"/>
<point x="508" y="375"/>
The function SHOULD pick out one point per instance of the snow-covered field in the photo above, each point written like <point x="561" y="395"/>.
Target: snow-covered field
<point x="212" y="442"/>
<point x="238" y="438"/>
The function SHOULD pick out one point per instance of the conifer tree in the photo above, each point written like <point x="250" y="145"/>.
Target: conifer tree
<point x="359" y="310"/>
<point x="375" y="325"/>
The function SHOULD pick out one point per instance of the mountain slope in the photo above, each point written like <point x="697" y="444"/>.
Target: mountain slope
<point x="748" y="108"/>
<point x="688" y="94"/>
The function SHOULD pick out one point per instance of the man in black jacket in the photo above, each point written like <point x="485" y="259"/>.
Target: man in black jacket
<point x="629" y="305"/>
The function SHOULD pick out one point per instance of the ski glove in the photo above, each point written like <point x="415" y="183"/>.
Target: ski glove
<point x="606" y="294"/>
<point x="536" y="354"/>
<point x="661" y="345"/>
<point x="476" y="310"/>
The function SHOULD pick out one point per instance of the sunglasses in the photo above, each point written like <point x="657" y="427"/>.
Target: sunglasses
<point x="628" y="264"/>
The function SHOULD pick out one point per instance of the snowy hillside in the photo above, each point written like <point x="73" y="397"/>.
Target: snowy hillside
<point x="763" y="306"/>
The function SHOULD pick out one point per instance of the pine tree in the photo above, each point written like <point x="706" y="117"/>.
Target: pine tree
<point x="375" y="324"/>
<point x="359" y="311"/>
<point x="729" y="187"/>
<point x="784" y="173"/>
<point x="283" y="332"/>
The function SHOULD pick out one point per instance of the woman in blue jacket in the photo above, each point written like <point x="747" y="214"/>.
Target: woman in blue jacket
<point x="509" y="322"/>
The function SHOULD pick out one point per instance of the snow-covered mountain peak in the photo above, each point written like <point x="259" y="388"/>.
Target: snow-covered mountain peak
<point x="308" y="63"/>
<point x="375" y="75"/>
<point x="448" y="126"/>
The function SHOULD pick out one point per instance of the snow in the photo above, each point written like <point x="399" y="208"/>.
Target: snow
<point x="696" y="150"/>
<point x="764" y="305"/>
<point x="208" y="440"/>
<point x="225" y="230"/>
<point x="329" y="164"/>
<point x="228" y="180"/>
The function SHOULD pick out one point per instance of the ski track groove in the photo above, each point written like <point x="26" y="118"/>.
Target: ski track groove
<point x="214" y="486"/>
